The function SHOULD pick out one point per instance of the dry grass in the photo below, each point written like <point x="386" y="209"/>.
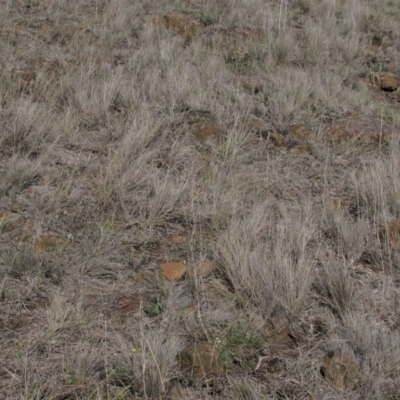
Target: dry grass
<point x="98" y="144"/>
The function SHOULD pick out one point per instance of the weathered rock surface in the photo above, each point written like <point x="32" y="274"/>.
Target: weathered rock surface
<point x="387" y="81"/>
<point x="172" y="271"/>
<point x="253" y="124"/>
<point x="118" y="304"/>
<point x="359" y="128"/>
<point x="182" y="23"/>
<point x="50" y="241"/>
<point x="28" y="230"/>
<point x="203" y="130"/>
<point x="202" y="125"/>
<point x="300" y="149"/>
<point x="278" y="328"/>
<point x="300" y="132"/>
<point x="204" y="269"/>
<point x="250" y="86"/>
<point x="200" y="361"/>
<point x="341" y="371"/>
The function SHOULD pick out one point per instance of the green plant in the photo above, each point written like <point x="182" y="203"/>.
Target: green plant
<point x="121" y="376"/>
<point x="238" y="60"/>
<point x="136" y="262"/>
<point x="205" y="17"/>
<point x="155" y="307"/>
<point x="239" y="339"/>
<point x="380" y="67"/>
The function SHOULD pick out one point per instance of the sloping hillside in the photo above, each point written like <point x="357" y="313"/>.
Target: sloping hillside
<point x="199" y="200"/>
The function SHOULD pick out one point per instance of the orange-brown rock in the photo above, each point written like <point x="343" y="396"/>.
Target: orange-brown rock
<point x="299" y="132"/>
<point x="194" y="116"/>
<point x="200" y="361"/>
<point x="203" y="130"/>
<point x="176" y="392"/>
<point x="340" y="203"/>
<point x="252" y="123"/>
<point x="278" y="328"/>
<point x="387" y="81"/>
<point x="47" y="63"/>
<point x="300" y="149"/>
<point x="156" y="20"/>
<point x="202" y="126"/>
<point x="9" y="221"/>
<point x="358" y="128"/>
<point x="172" y="271"/>
<point x="183" y="23"/>
<point x="28" y="230"/>
<point x="204" y="269"/>
<point x="118" y="303"/>
<point x="50" y="241"/>
<point x="250" y="86"/>
<point x="341" y="371"/>
<point x="101" y="60"/>
<point x="275" y="138"/>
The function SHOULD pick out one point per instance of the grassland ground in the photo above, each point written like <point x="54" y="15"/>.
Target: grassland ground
<point x="199" y="200"/>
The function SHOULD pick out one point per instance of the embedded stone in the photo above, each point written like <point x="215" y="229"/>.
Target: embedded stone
<point x="299" y="132"/>
<point x="200" y="361"/>
<point x="341" y="371"/>
<point x="204" y="269"/>
<point x="278" y="328"/>
<point x="172" y="271"/>
<point x="50" y="241"/>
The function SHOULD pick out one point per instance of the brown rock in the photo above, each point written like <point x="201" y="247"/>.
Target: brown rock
<point x="47" y="64"/>
<point x="300" y="149"/>
<point x="203" y="130"/>
<point x="201" y="125"/>
<point x="278" y="328"/>
<point x="391" y="233"/>
<point x="9" y="221"/>
<point x="183" y="23"/>
<point x="253" y="124"/>
<point x="156" y="20"/>
<point x="200" y="361"/>
<point x="216" y="292"/>
<point x="341" y="371"/>
<point x="276" y="138"/>
<point x="103" y="60"/>
<point x="250" y="86"/>
<point x="340" y="203"/>
<point x="27" y="231"/>
<point x="388" y="81"/>
<point x="299" y="132"/>
<point x="50" y="241"/>
<point x="118" y="304"/>
<point x="204" y="269"/>
<point x="172" y="271"/>
<point x="360" y="128"/>
<point x="177" y="239"/>
<point x="18" y="207"/>
<point x="194" y="116"/>
<point x="176" y="392"/>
